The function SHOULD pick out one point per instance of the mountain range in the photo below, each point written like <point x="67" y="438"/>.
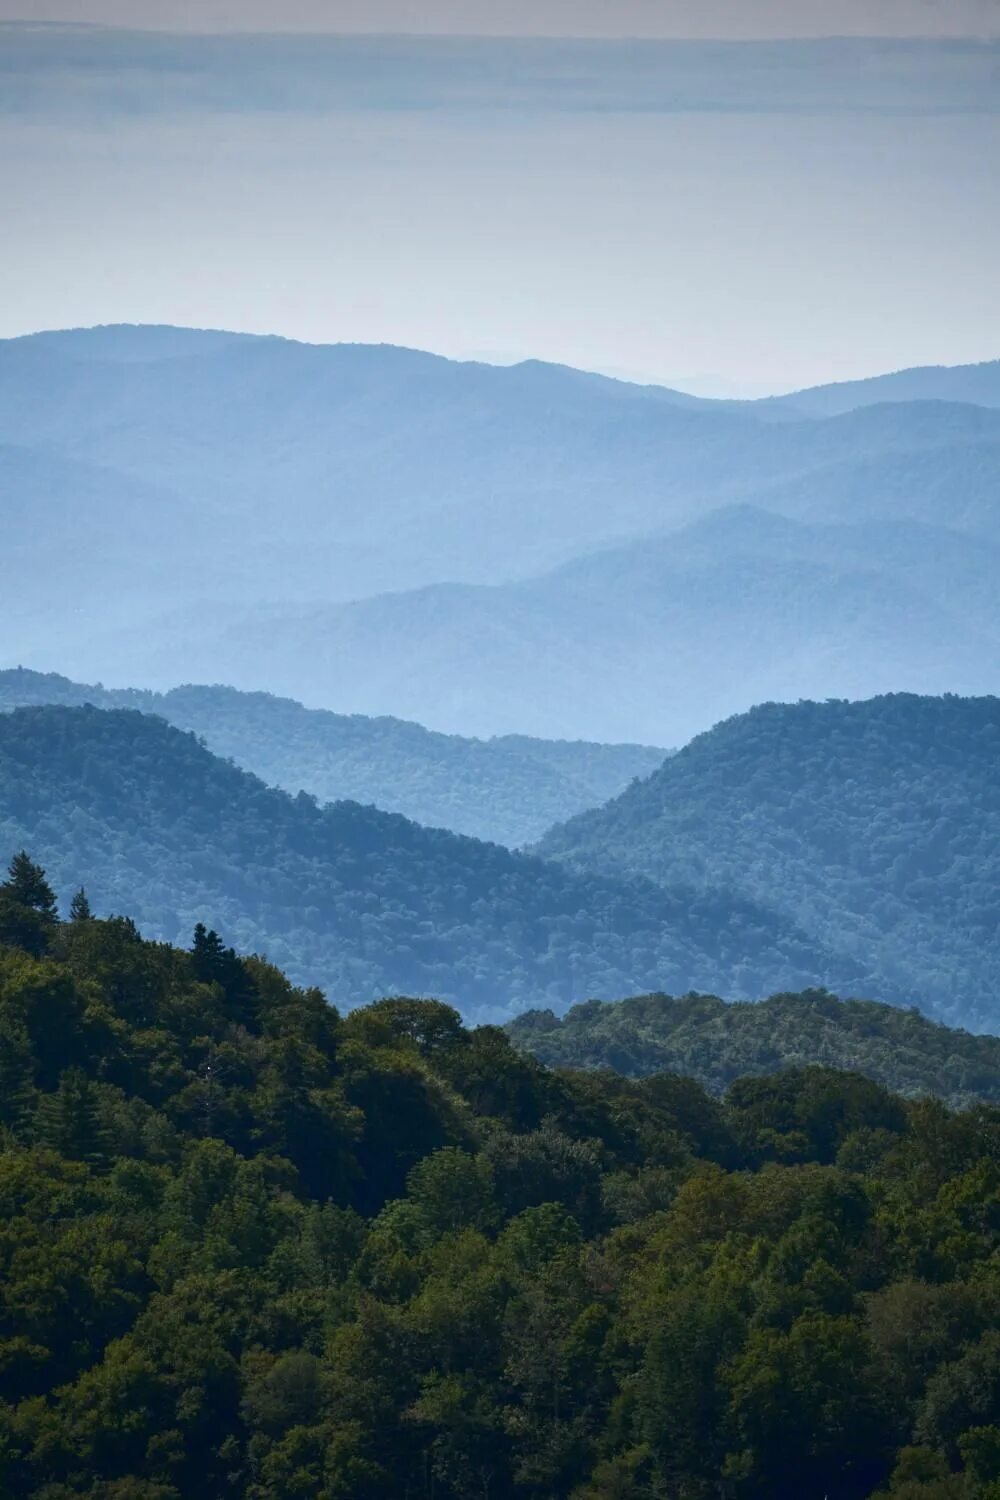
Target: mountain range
<point x="362" y="902"/>
<point x="978" y="384"/>
<point x="378" y="530"/>
<point x="844" y="846"/>
<point x="506" y="791"/>
<point x="873" y="826"/>
<point x="653" y="640"/>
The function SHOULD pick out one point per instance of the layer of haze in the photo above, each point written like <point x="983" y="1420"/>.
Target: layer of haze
<point x="776" y="212"/>
<point x="734" y="20"/>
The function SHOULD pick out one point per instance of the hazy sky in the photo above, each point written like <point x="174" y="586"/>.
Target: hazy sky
<point x="733" y="19"/>
<point x="775" y="212"/>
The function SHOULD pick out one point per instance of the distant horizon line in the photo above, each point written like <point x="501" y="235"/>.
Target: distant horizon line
<point x="503" y="361"/>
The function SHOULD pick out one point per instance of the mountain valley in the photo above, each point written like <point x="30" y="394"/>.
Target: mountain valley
<point x="506" y="791"/>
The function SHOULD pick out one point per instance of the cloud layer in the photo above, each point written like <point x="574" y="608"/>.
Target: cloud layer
<point x="61" y="71"/>
<point x="738" y="20"/>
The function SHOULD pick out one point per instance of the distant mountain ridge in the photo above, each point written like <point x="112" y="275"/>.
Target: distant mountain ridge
<point x="978" y="384"/>
<point x="362" y="902"/>
<point x="233" y="479"/>
<point x="507" y="791"/>
<point x="874" y="825"/>
<point x="654" y="640"/>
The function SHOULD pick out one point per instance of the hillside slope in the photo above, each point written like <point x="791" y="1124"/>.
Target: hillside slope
<point x="362" y="902"/>
<point x="654" y="640"/>
<point x="506" y="791"/>
<point x="876" y="821"/>
<point x="718" y="1041"/>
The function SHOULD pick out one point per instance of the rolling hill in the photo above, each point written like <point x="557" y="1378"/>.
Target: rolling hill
<point x="651" y="641"/>
<point x="506" y="791"/>
<point x="362" y="902"/>
<point x="717" y="1042"/>
<point x="875" y="825"/>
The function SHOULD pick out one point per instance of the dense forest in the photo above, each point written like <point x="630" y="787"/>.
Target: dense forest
<point x="252" y="1248"/>
<point x="873" y="826"/>
<point x="507" y="791"/>
<point x="363" y="902"/>
<point x="717" y="1042"/>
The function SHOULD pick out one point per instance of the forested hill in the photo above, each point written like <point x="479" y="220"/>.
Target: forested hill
<point x="874" y="826"/>
<point x="507" y="790"/>
<point x="363" y="902"/>
<point x="383" y="1256"/>
<point x="716" y="1041"/>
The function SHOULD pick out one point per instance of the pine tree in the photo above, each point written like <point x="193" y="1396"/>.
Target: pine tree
<point x="79" y="907"/>
<point x="27" y="886"/>
<point x="208" y="953"/>
<point x="214" y="963"/>
<point x="17" y="1075"/>
<point x="28" y="911"/>
<point x="68" y="1121"/>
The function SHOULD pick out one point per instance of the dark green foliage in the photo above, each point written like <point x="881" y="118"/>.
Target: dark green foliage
<point x="875" y="826"/>
<point x="69" y="1122"/>
<point x="363" y="902"/>
<point x="213" y="963"/>
<point x="79" y="907"/>
<point x="27" y="906"/>
<point x="507" y="790"/>
<point x="717" y="1042"/>
<point x="249" y="1248"/>
<point x="27" y="886"/>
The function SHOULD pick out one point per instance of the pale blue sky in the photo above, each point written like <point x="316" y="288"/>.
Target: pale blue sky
<point x="775" y="214"/>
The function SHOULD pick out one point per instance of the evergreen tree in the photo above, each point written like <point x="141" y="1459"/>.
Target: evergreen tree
<point x="68" y="1121"/>
<point x="79" y="907"/>
<point x="27" y="886"/>
<point x="214" y="963"/>
<point x="28" y="911"/>
<point x="208" y="953"/>
<point x="17" y="1071"/>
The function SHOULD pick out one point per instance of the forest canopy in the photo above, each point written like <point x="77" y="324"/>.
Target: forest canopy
<point x="718" y="1041"/>
<point x="383" y="1255"/>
